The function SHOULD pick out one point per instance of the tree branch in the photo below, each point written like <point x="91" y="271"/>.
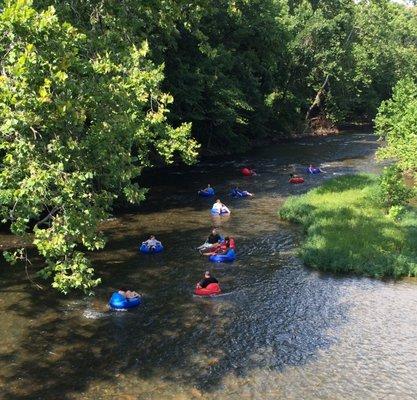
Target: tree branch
<point x="48" y="217"/>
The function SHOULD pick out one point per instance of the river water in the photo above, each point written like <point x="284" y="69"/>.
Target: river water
<point x="279" y="331"/>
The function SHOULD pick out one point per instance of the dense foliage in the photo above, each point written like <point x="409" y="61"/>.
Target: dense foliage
<point x="241" y="70"/>
<point x="77" y="127"/>
<point x="348" y="232"/>
<point x="86" y="86"/>
<point x="396" y="123"/>
<point x="393" y="194"/>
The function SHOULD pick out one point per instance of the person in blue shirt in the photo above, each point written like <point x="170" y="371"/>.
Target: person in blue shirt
<point x="208" y="190"/>
<point x="236" y="192"/>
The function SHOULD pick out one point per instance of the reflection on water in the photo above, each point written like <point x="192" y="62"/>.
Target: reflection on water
<point x="280" y="331"/>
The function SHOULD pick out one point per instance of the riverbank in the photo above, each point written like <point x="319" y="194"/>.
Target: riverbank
<point x="347" y="233"/>
<point x="285" y="137"/>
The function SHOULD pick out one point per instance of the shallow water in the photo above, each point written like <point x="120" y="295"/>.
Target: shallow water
<point x="280" y="331"/>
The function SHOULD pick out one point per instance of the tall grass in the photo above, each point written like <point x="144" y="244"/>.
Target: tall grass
<point x="347" y="232"/>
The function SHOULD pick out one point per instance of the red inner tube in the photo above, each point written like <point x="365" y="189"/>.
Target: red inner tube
<point x="296" y="180"/>
<point x="211" y="289"/>
<point x="246" y="172"/>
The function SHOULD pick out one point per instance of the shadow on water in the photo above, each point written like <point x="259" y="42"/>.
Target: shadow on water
<point x="278" y="318"/>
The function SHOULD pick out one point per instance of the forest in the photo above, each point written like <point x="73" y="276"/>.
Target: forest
<point x="92" y="92"/>
<point x="240" y="71"/>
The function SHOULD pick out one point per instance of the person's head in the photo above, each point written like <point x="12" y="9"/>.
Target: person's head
<point x="291" y="175"/>
<point x="227" y="239"/>
<point x="311" y="165"/>
<point x="218" y="201"/>
<point x="124" y="289"/>
<point x="207" y="274"/>
<point x="152" y="237"/>
<point x="208" y="185"/>
<point x="214" y="231"/>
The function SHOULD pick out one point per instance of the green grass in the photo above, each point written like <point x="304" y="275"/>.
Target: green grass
<point x="346" y="232"/>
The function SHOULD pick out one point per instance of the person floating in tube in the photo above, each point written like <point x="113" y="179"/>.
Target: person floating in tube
<point x="211" y="240"/>
<point x="248" y="171"/>
<point x="314" y="170"/>
<point x="151" y="243"/>
<point x="236" y="192"/>
<point x="208" y="190"/>
<point x="128" y="294"/>
<point x="208" y="278"/>
<point x="295" y="176"/>
<point x="221" y="248"/>
<point x="220" y="208"/>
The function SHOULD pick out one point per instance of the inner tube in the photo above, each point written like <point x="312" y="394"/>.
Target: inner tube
<point x="120" y="302"/>
<point x="209" y="192"/>
<point x="230" y="256"/>
<point x="145" y="249"/>
<point x="238" y="194"/>
<point x="211" y="290"/>
<point x="296" y="180"/>
<point x="313" y="170"/>
<point x="215" y="212"/>
<point x="246" y="172"/>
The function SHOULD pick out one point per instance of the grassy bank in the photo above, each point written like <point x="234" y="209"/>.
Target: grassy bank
<point x="347" y="232"/>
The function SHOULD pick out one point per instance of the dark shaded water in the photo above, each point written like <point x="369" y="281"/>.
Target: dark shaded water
<point x="279" y="331"/>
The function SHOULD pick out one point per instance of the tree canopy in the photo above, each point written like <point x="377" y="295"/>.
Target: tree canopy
<point x="78" y="126"/>
<point x="396" y="123"/>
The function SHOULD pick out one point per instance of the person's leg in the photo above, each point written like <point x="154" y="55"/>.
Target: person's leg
<point x="205" y="245"/>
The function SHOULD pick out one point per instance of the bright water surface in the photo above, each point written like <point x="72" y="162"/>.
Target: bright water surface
<point x="279" y="331"/>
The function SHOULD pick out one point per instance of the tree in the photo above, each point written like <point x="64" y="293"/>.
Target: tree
<point x="385" y="50"/>
<point x="396" y="123"/>
<point x="78" y="125"/>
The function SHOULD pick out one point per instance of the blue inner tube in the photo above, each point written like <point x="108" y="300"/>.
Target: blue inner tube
<point x="119" y="302"/>
<point x="145" y="249"/>
<point x="230" y="256"/>
<point x="206" y="192"/>
<point x="238" y="193"/>
<point x="313" y="170"/>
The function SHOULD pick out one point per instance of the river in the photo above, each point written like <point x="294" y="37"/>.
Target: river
<point x="278" y="331"/>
